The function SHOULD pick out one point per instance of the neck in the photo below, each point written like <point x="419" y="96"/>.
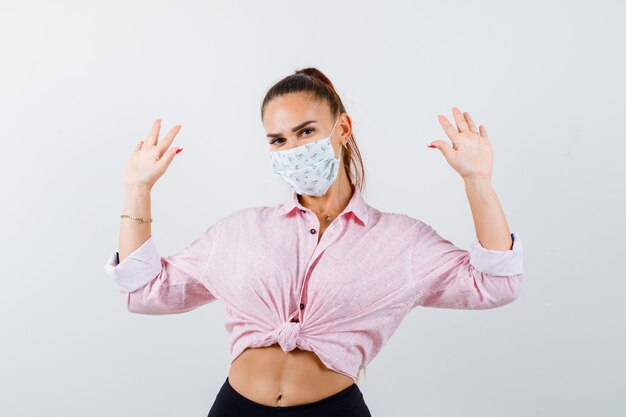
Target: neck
<point x="334" y="201"/>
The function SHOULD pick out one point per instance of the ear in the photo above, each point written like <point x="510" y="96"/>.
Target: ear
<point x="348" y="120"/>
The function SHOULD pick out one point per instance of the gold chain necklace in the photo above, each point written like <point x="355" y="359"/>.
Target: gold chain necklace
<point x="328" y="217"/>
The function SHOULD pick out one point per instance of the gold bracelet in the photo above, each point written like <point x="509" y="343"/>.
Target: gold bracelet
<point x="137" y="219"/>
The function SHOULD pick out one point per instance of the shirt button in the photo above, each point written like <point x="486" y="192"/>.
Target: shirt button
<point x="313" y="231"/>
<point x="301" y="306"/>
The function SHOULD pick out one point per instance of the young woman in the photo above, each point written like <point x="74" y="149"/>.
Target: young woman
<point x="314" y="286"/>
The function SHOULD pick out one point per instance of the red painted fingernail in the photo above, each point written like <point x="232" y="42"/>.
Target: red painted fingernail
<point x="179" y="150"/>
<point x="431" y="146"/>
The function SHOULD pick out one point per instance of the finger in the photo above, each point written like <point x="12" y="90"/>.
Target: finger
<point x="165" y="143"/>
<point x="470" y="123"/>
<point x="460" y="120"/>
<point x="483" y="132"/>
<point x="447" y="126"/>
<point x="138" y="146"/>
<point x="153" y="134"/>
<point x="167" y="158"/>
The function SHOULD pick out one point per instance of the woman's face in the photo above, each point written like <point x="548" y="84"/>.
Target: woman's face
<point x="295" y="119"/>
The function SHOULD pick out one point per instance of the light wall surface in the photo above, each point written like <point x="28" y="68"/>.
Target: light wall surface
<point x="81" y="83"/>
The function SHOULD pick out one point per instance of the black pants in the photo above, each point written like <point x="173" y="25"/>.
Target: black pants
<point x="348" y="402"/>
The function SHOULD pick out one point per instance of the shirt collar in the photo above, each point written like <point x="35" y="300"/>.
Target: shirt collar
<point x="356" y="205"/>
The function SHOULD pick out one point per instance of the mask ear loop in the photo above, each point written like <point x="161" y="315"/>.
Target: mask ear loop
<point x="335" y="125"/>
<point x="331" y="132"/>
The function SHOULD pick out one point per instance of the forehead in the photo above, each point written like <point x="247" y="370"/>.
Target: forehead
<point x="285" y="112"/>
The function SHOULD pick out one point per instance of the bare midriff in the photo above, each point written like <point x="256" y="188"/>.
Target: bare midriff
<point x="268" y="375"/>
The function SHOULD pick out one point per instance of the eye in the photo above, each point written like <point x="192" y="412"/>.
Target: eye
<point x="274" y="141"/>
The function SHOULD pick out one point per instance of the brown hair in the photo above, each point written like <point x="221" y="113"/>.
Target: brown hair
<point x="313" y="82"/>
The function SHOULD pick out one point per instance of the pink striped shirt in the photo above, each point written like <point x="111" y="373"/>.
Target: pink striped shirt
<point x="341" y="298"/>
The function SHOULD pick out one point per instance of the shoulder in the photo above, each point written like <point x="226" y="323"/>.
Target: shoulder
<point x="243" y="217"/>
<point x="401" y="220"/>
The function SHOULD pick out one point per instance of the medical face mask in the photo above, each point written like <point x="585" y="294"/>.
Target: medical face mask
<point x="309" y="169"/>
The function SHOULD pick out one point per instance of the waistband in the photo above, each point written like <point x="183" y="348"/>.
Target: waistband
<point x="339" y="404"/>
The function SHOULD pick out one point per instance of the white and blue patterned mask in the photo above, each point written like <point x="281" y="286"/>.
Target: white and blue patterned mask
<point x="309" y="169"/>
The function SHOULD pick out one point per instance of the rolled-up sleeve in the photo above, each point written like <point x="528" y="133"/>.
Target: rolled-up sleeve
<point x="447" y="276"/>
<point x="138" y="268"/>
<point x="152" y="284"/>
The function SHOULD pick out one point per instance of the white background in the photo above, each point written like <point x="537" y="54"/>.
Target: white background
<point x="81" y="83"/>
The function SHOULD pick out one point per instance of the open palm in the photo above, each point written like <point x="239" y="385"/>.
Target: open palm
<point x="471" y="153"/>
<point x="151" y="157"/>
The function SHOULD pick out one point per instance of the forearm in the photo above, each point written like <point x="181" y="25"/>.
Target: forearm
<point x="490" y="223"/>
<point x="132" y="233"/>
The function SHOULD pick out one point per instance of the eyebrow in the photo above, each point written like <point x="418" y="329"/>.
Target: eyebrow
<point x="293" y="129"/>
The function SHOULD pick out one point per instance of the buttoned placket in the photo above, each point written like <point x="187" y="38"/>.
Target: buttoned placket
<point x="325" y="241"/>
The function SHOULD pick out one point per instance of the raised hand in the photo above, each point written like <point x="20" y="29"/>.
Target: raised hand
<point x="471" y="153"/>
<point x="151" y="157"/>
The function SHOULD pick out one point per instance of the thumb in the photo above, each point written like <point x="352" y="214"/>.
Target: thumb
<point x="444" y="147"/>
